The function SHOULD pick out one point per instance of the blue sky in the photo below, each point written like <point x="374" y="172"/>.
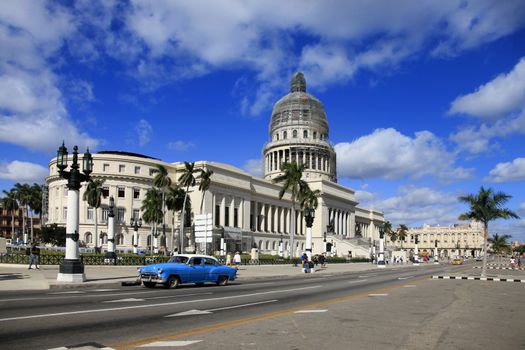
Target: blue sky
<point x="425" y="99"/>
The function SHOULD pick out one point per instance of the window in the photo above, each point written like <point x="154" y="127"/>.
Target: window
<point x="217" y="215"/>
<point x="105" y="192"/>
<point x="137" y="170"/>
<point x="121" y="192"/>
<point x="90" y="214"/>
<point x="136" y="214"/>
<point x="315" y="135"/>
<point x="120" y="239"/>
<point x="235" y="217"/>
<point x="305" y="134"/>
<point x="136" y="193"/>
<point x="120" y="214"/>
<point x="209" y="261"/>
<point x="227" y="216"/>
<point x="121" y="168"/>
<point x="294" y="134"/>
<point x="105" y="212"/>
<point x="285" y="135"/>
<point x="105" y="167"/>
<point x="64" y="213"/>
<point x="89" y="238"/>
<point x="277" y="136"/>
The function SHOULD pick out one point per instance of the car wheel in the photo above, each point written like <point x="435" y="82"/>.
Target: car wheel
<point x="173" y="282"/>
<point x="222" y="281"/>
<point x="149" y="284"/>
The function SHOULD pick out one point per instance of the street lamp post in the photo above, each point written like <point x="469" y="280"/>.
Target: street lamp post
<point x="309" y="215"/>
<point x="136" y="224"/>
<point x="324" y="242"/>
<point x="72" y="269"/>
<point x="436" y="259"/>
<point x="110" y="254"/>
<point x="381" y="256"/>
<point x="281" y="250"/>
<point x="155" y="233"/>
<point x="416" y="251"/>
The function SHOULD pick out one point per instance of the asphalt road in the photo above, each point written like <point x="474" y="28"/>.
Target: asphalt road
<point x="380" y="309"/>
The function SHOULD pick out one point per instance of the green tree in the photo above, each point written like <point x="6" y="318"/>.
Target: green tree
<point x="53" y="234"/>
<point x="10" y="203"/>
<point x="162" y="181"/>
<point x="389" y="232"/>
<point x="93" y="196"/>
<point x="291" y="182"/>
<point x="186" y="180"/>
<point x="175" y="202"/>
<point x="204" y="183"/>
<point x="309" y="198"/>
<point x="152" y="209"/>
<point x="402" y="232"/>
<point x="36" y="200"/>
<point x="500" y="244"/>
<point x="486" y="206"/>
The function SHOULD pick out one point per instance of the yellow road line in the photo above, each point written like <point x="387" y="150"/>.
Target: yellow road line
<point x="243" y="321"/>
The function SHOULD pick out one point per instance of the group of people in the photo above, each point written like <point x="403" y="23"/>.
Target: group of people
<point x="236" y="260"/>
<point x="316" y="260"/>
<point x="515" y="261"/>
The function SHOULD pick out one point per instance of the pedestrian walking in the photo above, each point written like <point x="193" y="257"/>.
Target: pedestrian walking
<point x="519" y="262"/>
<point x="322" y="260"/>
<point x="306" y="263"/>
<point x="237" y="260"/>
<point x="34" y="256"/>
<point x="512" y="262"/>
<point x="228" y="259"/>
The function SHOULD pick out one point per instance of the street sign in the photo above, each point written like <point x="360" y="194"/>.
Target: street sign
<point x="203" y="228"/>
<point x="203" y="239"/>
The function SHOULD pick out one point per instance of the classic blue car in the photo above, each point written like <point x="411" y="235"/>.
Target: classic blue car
<point x="187" y="268"/>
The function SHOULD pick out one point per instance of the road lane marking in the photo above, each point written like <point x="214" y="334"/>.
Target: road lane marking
<point x="405" y="278"/>
<point x="105" y="290"/>
<point x="209" y="311"/>
<point x="71" y="292"/>
<point x="363" y="276"/>
<point x="410" y="286"/>
<point x="154" y="305"/>
<point x="357" y="281"/>
<point x="128" y="300"/>
<point x="378" y="295"/>
<point x="175" y="296"/>
<point x="243" y="321"/>
<point x="169" y="343"/>
<point x="309" y="311"/>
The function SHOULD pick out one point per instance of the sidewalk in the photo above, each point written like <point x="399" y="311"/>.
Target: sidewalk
<point x="18" y="277"/>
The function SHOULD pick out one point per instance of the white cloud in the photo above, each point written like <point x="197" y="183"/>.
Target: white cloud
<point x="509" y="171"/>
<point x="503" y="95"/>
<point x="23" y="172"/>
<point x="388" y="154"/>
<point x="143" y="129"/>
<point x="180" y="145"/>
<point x="414" y="206"/>
<point x="254" y="167"/>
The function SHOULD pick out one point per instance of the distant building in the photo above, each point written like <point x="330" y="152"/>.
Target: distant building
<point x="457" y="239"/>
<point x="246" y="210"/>
<point x="6" y="217"/>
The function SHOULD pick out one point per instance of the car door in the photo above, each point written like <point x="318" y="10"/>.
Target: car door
<point x="196" y="270"/>
<point x="210" y="267"/>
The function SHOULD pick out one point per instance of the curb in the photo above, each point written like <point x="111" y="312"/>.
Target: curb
<point x="495" y="279"/>
<point x="501" y="268"/>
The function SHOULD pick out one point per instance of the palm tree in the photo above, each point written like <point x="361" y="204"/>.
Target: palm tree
<point x="162" y="181"/>
<point x="93" y="196"/>
<point x="36" y="203"/>
<point x="23" y="195"/>
<point x="186" y="179"/>
<point x="499" y="243"/>
<point x="309" y="198"/>
<point x="152" y="210"/>
<point x="175" y="202"/>
<point x="392" y="234"/>
<point x="205" y="181"/>
<point x="291" y="179"/>
<point x="402" y="232"/>
<point x="486" y="206"/>
<point x="10" y="203"/>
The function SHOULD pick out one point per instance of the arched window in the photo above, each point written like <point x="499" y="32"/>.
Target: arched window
<point x="294" y="134"/>
<point x="120" y="239"/>
<point x="104" y="237"/>
<point x="88" y="238"/>
<point x="273" y="245"/>
<point x="149" y="241"/>
<point x="267" y="244"/>
<point x="315" y="135"/>
<point x="261" y="243"/>
<point x="277" y="136"/>
<point x="305" y="134"/>
<point x="285" y="135"/>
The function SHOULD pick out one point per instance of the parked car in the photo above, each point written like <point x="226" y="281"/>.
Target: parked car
<point x="187" y="268"/>
<point x="457" y="261"/>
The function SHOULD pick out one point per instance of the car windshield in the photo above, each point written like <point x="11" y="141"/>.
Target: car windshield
<point x="178" y="259"/>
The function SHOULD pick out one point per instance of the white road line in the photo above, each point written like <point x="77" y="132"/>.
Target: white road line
<point x="405" y="278"/>
<point x="170" y="343"/>
<point x="71" y="292"/>
<point x="105" y="290"/>
<point x="357" y="281"/>
<point x="410" y="286"/>
<point x="209" y="311"/>
<point x="378" y="295"/>
<point x="128" y="300"/>
<point x="309" y="311"/>
<point x="176" y="296"/>
<point x="155" y="305"/>
<point x="364" y="276"/>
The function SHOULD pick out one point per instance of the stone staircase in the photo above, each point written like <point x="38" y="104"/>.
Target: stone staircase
<point x="358" y="246"/>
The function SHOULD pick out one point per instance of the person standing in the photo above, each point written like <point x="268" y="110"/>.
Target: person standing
<point x="237" y="260"/>
<point x="34" y="256"/>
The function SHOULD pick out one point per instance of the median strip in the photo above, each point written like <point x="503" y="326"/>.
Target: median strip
<point x="471" y="278"/>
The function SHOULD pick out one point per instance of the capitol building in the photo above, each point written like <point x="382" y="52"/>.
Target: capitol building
<point x="246" y="211"/>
